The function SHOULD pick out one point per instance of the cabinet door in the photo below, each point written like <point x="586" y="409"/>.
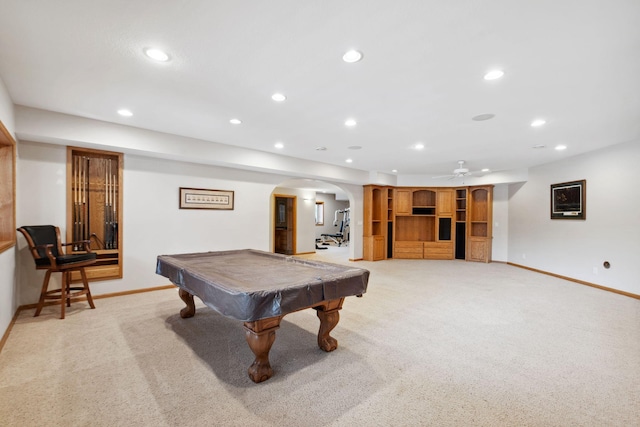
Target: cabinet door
<point x="378" y="248"/>
<point x="403" y="202"/>
<point x="445" y="202"/>
<point x="479" y="249"/>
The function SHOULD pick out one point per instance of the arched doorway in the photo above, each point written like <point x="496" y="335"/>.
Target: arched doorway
<point x="336" y="197"/>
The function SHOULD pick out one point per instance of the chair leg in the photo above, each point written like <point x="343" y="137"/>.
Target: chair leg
<point x="63" y="292"/>
<point x="85" y="282"/>
<point x="68" y="289"/>
<point x="43" y="293"/>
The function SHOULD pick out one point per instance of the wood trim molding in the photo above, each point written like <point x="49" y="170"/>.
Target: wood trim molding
<point x="582" y="282"/>
<point x="5" y="337"/>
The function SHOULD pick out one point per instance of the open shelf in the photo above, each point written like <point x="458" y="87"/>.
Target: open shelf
<point x="416" y="228"/>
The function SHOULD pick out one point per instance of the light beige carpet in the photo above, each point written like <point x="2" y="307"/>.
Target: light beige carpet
<point x="432" y="343"/>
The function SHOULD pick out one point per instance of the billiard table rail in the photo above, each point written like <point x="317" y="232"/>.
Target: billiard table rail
<point x="250" y="285"/>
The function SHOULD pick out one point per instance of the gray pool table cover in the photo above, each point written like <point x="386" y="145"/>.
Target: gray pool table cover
<point x="249" y="285"/>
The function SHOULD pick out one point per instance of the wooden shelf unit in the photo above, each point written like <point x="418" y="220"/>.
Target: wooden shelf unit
<point x="461" y="223"/>
<point x="94" y="208"/>
<point x="480" y="219"/>
<point x="378" y="222"/>
<point x="427" y="223"/>
<point x="7" y="189"/>
<point x="423" y="227"/>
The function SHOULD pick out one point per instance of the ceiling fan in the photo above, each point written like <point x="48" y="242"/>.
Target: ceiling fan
<point x="460" y="171"/>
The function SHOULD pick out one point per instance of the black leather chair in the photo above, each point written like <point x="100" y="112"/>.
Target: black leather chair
<point x="46" y="247"/>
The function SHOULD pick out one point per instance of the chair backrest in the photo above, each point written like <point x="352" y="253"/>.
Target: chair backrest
<point x="38" y="235"/>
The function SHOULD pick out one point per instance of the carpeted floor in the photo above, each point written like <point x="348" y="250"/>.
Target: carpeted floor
<point x="432" y="343"/>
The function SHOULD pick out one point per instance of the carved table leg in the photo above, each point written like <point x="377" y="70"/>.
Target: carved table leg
<point x="190" y="309"/>
<point x="328" y="313"/>
<point x="260" y="336"/>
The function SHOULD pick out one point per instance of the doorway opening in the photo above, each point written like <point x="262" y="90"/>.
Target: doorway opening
<point x="312" y="214"/>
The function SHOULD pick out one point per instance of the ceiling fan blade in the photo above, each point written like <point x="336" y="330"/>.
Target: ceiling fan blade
<point x="443" y="177"/>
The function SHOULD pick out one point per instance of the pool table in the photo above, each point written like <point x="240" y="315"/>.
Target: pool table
<point x="260" y="288"/>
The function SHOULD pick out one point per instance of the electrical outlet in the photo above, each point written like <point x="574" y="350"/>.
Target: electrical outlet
<point x="595" y="270"/>
<point x="524" y="256"/>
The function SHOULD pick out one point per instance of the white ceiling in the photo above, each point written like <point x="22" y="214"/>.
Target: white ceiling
<point x="575" y="63"/>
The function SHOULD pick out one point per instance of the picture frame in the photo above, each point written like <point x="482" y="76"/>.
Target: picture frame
<point x="568" y="200"/>
<point x="201" y="198"/>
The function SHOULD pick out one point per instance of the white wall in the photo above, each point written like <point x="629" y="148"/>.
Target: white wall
<point x="8" y="297"/>
<point x="576" y="248"/>
<point x="500" y="241"/>
<point x="152" y="224"/>
<point x="42" y="187"/>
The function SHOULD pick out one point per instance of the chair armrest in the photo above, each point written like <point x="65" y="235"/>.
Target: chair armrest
<point x="47" y="248"/>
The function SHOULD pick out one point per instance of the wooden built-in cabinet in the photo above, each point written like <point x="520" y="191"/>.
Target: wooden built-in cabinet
<point x="427" y="223"/>
<point x="480" y="220"/>
<point x="94" y="208"/>
<point x="423" y="230"/>
<point x="7" y="189"/>
<point x="378" y="222"/>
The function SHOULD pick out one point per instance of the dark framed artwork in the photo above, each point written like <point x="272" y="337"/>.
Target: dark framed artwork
<point x="200" y="198"/>
<point x="568" y="200"/>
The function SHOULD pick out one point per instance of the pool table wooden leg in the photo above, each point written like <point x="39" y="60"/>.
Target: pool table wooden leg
<point x="328" y="313"/>
<point x="190" y="309"/>
<point x="260" y="335"/>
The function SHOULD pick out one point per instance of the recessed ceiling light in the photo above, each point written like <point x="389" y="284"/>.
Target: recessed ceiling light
<point x="350" y="122"/>
<point x="561" y="147"/>
<point x="156" y="54"/>
<point x="494" y="74"/>
<point x="278" y="145"/>
<point x="352" y="56"/>
<point x="394" y="170"/>
<point x="125" y="113"/>
<point x="278" y="97"/>
<point x="321" y="148"/>
<point x="538" y="122"/>
<point x="419" y="146"/>
<point x="483" y="117"/>
<point x="349" y="161"/>
<point x="235" y="121"/>
<point x="354" y="147"/>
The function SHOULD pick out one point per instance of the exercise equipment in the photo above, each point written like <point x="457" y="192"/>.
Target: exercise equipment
<point x="342" y="236"/>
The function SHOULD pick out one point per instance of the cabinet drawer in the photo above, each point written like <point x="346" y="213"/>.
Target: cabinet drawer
<point x="438" y="250"/>
<point x="411" y="250"/>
